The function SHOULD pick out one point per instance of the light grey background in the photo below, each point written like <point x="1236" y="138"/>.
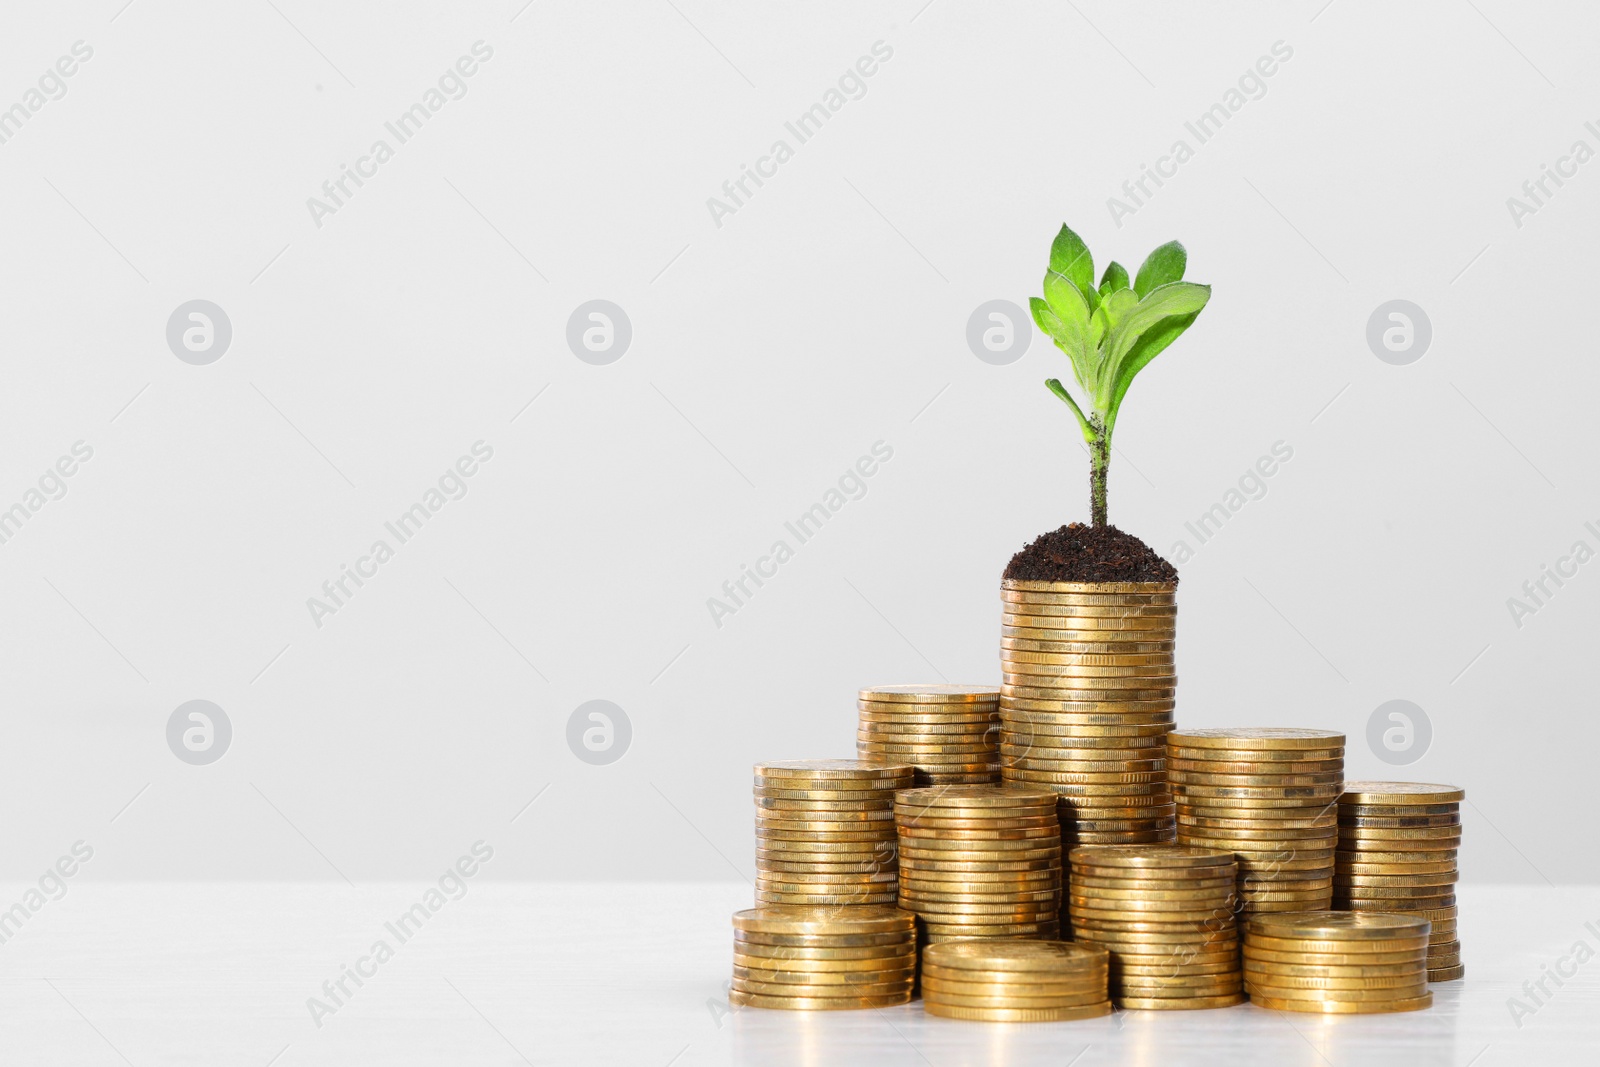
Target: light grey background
<point x="768" y="354"/>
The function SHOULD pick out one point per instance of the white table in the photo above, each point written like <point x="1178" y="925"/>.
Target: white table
<point x="614" y="974"/>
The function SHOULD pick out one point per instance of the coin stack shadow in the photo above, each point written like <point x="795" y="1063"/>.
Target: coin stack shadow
<point x="949" y="733"/>
<point x="825" y="831"/>
<point x="980" y="861"/>
<point x="1268" y="795"/>
<point x="1086" y="701"/>
<point x="1397" y="853"/>
<point x="1336" y="962"/>
<point x="1166" y="915"/>
<point x="1014" y="981"/>
<point x="818" y="958"/>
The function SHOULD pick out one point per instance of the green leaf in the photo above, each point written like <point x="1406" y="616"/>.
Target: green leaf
<point x="1161" y="267"/>
<point x="1160" y="319"/>
<point x="1069" y="332"/>
<point x="1066" y="299"/>
<point x="1070" y="256"/>
<point x="1055" y="386"/>
<point x="1115" y="277"/>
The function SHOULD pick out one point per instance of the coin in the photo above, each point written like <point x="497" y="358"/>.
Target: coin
<point x="1023" y="710"/>
<point x="1399" y="821"/>
<point x="1289" y="756"/>
<point x="1337" y="926"/>
<point x="855" y="797"/>
<point x="797" y="1003"/>
<point x="1257" y="767"/>
<point x="1446" y="974"/>
<point x="1267" y="737"/>
<point x="1374" y="792"/>
<point x="1015" y="1015"/>
<point x="1013" y="1002"/>
<point x="1331" y="1007"/>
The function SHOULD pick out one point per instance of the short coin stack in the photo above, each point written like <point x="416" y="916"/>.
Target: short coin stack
<point x="1014" y="981"/>
<point x="980" y="861"/>
<point x="1165" y="913"/>
<point x="1087" y="699"/>
<point x="1337" y="962"/>
<point x="818" y="958"/>
<point x="825" y="831"/>
<point x="1268" y="795"/>
<point x="1397" y="853"/>
<point x="949" y="733"/>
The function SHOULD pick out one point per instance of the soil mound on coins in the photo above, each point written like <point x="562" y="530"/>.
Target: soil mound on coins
<point x="1079" y="553"/>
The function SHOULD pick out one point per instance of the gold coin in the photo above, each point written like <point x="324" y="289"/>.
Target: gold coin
<point x="1257" y="767"/>
<point x="768" y="896"/>
<point x="1202" y="900"/>
<point x="1254" y="737"/>
<point x="1330" y="1007"/>
<point x="1429" y="857"/>
<point x="896" y="936"/>
<point x="1399" y="822"/>
<point x="938" y="721"/>
<point x="1023" y="710"/>
<point x="1446" y="974"/>
<point x="826" y="826"/>
<point x="1048" y="956"/>
<point x="1090" y="677"/>
<point x="1014" y="1002"/>
<point x="1344" y="878"/>
<point x="1394" y="973"/>
<point x="1222" y="939"/>
<point x="1091" y="766"/>
<point x="942" y="868"/>
<point x="1338" y="926"/>
<point x="1168" y="859"/>
<point x="882" y="733"/>
<point x="821" y="809"/>
<point x="1287" y="990"/>
<point x="906" y="750"/>
<point x="1015" y="1015"/>
<point x="945" y="930"/>
<point x="855" y="797"/>
<point x="1099" y="661"/>
<point x="1180" y="1002"/>
<point x="1062" y="695"/>
<point x="1182" y="789"/>
<point x="822" y="921"/>
<point x="841" y="770"/>
<point x="902" y="951"/>
<point x="1371" y="792"/>
<point x="1129" y="643"/>
<point x="825" y="970"/>
<point x="967" y="981"/>
<point x="1297" y="957"/>
<point x="973" y="797"/>
<point x="1054" y="773"/>
<point x="753" y="1000"/>
<point x="1196" y="887"/>
<point x="1279" y="756"/>
<point x="932" y="694"/>
<point x="1155" y="973"/>
<point x="1178" y="984"/>
<point x="1268" y="780"/>
<point x="1019" y="730"/>
<point x="778" y="989"/>
<point x="1164" y="611"/>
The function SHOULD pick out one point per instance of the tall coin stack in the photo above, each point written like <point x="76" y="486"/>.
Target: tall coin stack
<point x="1087" y="700"/>
<point x="1166" y="914"/>
<point x="980" y="861"/>
<point x="1014" y="981"/>
<point x="1268" y="795"/>
<point x="819" y="958"/>
<point x="950" y="734"/>
<point x="825" y="831"/>
<point x="1397" y="853"/>
<point x="1336" y="962"/>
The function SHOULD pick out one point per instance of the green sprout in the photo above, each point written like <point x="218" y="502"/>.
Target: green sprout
<point x="1110" y="333"/>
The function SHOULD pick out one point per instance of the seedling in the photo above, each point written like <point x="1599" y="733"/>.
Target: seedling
<point x="1111" y="333"/>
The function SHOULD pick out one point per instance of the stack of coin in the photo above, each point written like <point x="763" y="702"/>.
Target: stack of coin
<point x="1014" y="981"/>
<point x="949" y="733"/>
<point x="1268" y="795"/>
<point x="1338" y="962"/>
<point x="1397" y="853"/>
<point x="825" y="831"/>
<point x="1165" y="913"/>
<point x="980" y="861"/>
<point x="1087" y="701"/>
<point x="812" y="958"/>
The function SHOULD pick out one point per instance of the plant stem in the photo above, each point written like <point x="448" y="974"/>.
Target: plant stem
<point x="1099" y="462"/>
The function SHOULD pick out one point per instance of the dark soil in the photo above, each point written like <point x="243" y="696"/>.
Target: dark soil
<point x="1079" y="553"/>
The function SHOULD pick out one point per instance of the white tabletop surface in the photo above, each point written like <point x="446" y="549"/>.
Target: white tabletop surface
<point x="635" y="975"/>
